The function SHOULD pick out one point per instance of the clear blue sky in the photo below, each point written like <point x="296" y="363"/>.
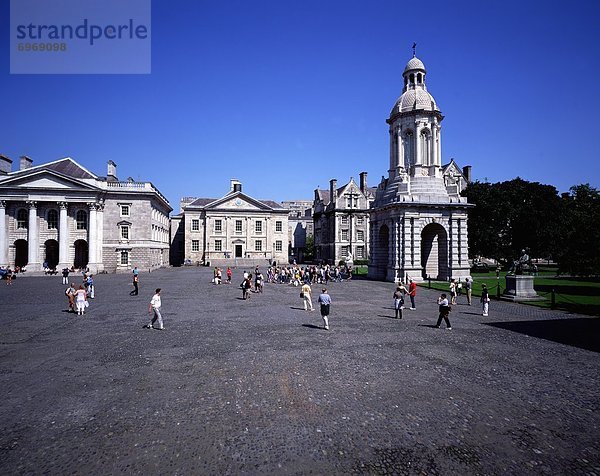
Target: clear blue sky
<point x="286" y="95"/>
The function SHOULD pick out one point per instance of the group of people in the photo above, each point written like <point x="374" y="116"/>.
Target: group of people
<point x="296" y="275"/>
<point x="78" y="296"/>
<point x="445" y="305"/>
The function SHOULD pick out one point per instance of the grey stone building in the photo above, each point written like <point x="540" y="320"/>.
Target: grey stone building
<point x="341" y="220"/>
<point x="63" y="214"/>
<point x="418" y="218"/>
<point x="235" y="229"/>
<point x="300" y="227"/>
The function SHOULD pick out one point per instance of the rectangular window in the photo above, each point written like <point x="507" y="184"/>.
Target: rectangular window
<point x="258" y="245"/>
<point x="278" y="226"/>
<point x="360" y="235"/>
<point x="195" y="225"/>
<point x="124" y="210"/>
<point x="195" y="245"/>
<point x="360" y="221"/>
<point x="218" y="226"/>
<point x="345" y="250"/>
<point x="258" y="227"/>
<point x="238" y="226"/>
<point x="22" y="218"/>
<point x="279" y="245"/>
<point x="52" y="220"/>
<point x="218" y="245"/>
<point x="344" y="235"/>
<point x="124" y="258"/>
<point x="356" y="202"/>
<point x="348" y="202"/>
<point x="360" y="252"/>
<point x="124" y="232"/>
<point x="344" y="220"/>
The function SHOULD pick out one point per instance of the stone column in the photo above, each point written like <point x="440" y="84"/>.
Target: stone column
<point x="439" y="143"/>
<point x="400" y="151"/>
<point x="392" y="151"/>
<point x="397" y="239"/>
<point x="100" y="237"/>
<point x="418" y="144"/>
<point x="92" y="237"/>
<point x="434" y="156"/>
<point x="63" y="236"/>
<point x="3" y="239"/>
<point x="33" y="239"/>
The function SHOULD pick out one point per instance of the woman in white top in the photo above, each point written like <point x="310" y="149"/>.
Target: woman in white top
<point x="80" y="300"/>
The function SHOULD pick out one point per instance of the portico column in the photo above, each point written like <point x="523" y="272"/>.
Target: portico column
<point x="3" y="242"/>
<point x="63" y="236"/>
<point x="33" y="238"/>
<point x="433" y="148"/>
<point x="92" y="237"/>
<point x="100" y="237"/>
<point x="418" y="144"/>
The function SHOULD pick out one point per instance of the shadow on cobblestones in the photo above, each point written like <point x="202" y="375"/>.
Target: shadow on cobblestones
<point x="578" y="332"/>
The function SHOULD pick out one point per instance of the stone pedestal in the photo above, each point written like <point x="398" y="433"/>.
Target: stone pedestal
<point x="520" y="288"/>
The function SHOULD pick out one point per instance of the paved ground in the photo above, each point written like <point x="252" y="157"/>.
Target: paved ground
<point x="255" y="386"/>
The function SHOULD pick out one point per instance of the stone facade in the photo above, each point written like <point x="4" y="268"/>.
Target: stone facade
<point x="341" y="221"/>
<point x="300" y="227"/>
<point x="233" y="230"/>
<point x="419" y="219"/>
<point x="62" y="214"/>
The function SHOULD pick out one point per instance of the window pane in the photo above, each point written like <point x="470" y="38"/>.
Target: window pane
<point x="22" y="218"/>
<point x="218" y="245"/>
<point x="218" y="225"/>
<point x="52" y="220"/>
<point x="81" y="218"/>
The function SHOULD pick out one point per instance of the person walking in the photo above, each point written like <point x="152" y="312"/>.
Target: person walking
<point x="469" y="290"/>
<point x="136" y="290"/>
<point x="412" y="292"/>
<point x="70" y="293"/>
<point x="445" y="308"/>
<point x="65" y="276"/>
<point x="485" y="299"/>
<point x="228" y="275"/>
<point x="154" y="308"/>
<point x="325" y="302"/>
<point x="453" y="292"/>
<point x="90" y="286"/>
<point x="246" y="286"/>
<point x="398" y="302"/>
<point x="80" y="300"/>
<point x="306" y="295"/>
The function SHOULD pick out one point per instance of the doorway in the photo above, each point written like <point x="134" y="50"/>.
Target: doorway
<point x="51" y="253"/>
<point x="21" y="253"/>
<point x="434" y="252"/>
<point x="238" y="251"/>
<point x="81" y="254"/>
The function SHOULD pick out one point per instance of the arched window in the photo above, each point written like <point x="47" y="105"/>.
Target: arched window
<point x="412" y="78"/>
<point x="419" y="78"/>
<point x="81" y="219"/>
<point x="52" y="220"/>
<point x="22" y="218"/>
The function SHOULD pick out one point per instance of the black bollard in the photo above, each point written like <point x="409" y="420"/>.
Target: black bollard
<point x="498" y="290"/>
<point x="553" y="300"/>
<point x="429" y="278"/>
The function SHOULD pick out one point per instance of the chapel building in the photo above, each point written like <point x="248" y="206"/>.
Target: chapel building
<point x="418" y="220"/>
<point x="62" y="215"/>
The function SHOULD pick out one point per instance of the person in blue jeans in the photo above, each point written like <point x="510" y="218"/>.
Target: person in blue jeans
<point x="325" y="302"/>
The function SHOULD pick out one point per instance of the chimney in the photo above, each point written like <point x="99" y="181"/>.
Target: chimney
<point x="5" y="165"/>
<point x="332" y="191"/>
<point x="467" y="173"/>
<point x="236" y="186"/>
<point x="111" y="172"/>
<point x="25" y="163"/>
<point x="363" y="182"/>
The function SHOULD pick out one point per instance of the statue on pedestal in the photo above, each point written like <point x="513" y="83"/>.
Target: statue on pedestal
<point x="523" y="265"/>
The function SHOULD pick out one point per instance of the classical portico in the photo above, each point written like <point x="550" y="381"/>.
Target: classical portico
<point x="418" y="220"/>
<point x="55" y="214"/>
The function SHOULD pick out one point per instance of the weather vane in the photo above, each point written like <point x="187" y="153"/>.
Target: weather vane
<point x="414" y="50"/>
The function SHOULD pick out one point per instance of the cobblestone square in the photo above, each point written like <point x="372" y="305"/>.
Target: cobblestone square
<point x="255" y="387"/>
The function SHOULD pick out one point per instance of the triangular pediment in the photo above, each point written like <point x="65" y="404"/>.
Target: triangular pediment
<point x="452" y="169"/>
<point x="238" y="201"/>
<point x="46" y="180"/>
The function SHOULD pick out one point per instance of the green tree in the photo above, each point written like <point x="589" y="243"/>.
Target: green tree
<point x="309" y="248"/>
<point x="579" y="250"/>
<point x="513" y="215"/>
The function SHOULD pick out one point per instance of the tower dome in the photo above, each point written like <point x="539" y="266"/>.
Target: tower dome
<point x="414" y="94"/>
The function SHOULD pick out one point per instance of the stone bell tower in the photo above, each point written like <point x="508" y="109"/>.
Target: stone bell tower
<point x="419" y="219"/>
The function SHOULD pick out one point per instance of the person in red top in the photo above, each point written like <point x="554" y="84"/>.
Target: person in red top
<point x="412" y="292"/>
<point x="228" y="275"/>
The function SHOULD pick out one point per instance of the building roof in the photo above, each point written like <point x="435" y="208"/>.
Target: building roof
<point x="415" y="99"/>
<point x="66" y="166"/>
